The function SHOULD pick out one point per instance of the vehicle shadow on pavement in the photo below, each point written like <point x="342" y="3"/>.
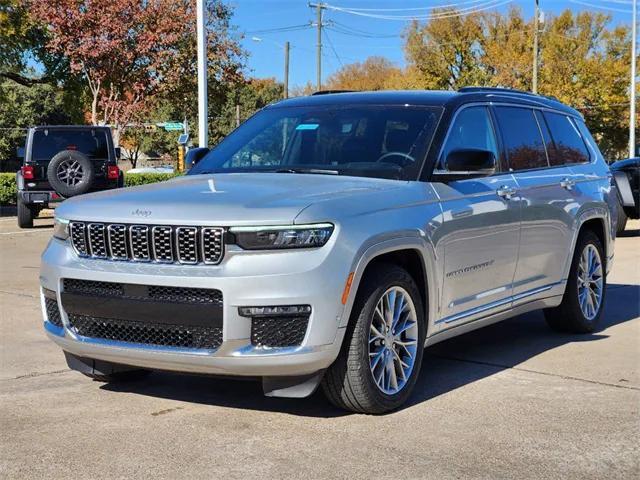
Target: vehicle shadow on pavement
<point x="446" y="366"/>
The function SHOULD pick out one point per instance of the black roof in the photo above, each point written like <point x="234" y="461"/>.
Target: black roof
<point x="444" y="98"/>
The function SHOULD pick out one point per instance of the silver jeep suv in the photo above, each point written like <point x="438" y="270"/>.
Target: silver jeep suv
<point x="330" y="238"/>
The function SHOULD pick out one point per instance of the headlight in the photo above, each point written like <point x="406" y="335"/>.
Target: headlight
<point x="61" y="228"/>
<point x="287" y="236"/>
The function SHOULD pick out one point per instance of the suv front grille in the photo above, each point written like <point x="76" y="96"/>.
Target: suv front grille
<point x="146" y="333"/>
<point x="148" y="243"/>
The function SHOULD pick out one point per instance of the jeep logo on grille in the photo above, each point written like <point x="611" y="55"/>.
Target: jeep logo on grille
<point x="141" y="213"/>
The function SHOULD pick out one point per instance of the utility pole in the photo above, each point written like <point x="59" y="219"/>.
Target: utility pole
<point x="319" y="7"/>
<point x="536" y="18"/>
<point x="203" y="113"/>
<point x="632" y="117"/>
<point x="286" y="70"/>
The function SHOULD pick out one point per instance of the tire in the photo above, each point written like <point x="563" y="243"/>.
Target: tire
<point x="127" y="376"/>
<point x="622" y="220"/>
<point x="70" y="173"/>
<point x="569" y="316"/>
<point x="349" y="383"/>
<point x="25" y="215"/>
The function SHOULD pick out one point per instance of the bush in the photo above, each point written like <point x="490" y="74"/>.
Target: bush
<point x="7" y="188"/>
<point x="133" y="179"/>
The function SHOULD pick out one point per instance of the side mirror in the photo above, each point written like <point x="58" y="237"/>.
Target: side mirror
<point x="193" y="156"/>
<point x="479" y="162"/>
<point x="467" y="163"/>
<point x="118" y="153"/>
<point x="20" y="152"/>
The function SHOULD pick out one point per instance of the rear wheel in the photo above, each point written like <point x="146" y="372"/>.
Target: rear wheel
<point x="583" y="299"/>
<point x="25" y="215"/>
<point x="380" y="359"/>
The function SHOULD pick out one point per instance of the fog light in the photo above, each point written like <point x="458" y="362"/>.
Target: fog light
<point x="275" y="311"/>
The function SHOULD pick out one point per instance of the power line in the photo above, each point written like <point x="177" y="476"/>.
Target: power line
<point x="601" y="7"/>
<point x="326" y="35"/>
<point x="448" y="13"/>
<point x="290" y="28"/>
<point x="451" y="5"/>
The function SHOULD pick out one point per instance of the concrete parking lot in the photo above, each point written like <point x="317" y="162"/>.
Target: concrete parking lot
<point x="514" y="400"/>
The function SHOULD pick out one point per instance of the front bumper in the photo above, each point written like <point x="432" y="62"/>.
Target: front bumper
<point x="246" y="279"/>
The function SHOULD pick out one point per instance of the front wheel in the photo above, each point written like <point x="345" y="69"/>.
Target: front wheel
<point x="380" y="359"/>
<point x="583" y="299"/>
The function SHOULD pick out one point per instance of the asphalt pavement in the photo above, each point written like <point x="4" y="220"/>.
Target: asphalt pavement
<point x="513" y="400"/>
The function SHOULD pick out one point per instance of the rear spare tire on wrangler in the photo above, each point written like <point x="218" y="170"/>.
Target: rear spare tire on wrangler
<point x="70" y="173"/>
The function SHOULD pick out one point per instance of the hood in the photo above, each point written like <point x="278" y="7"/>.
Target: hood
<point x="220" y="199"/>
<point x="625" y="164"/>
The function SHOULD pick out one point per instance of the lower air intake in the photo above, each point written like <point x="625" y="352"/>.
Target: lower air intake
<point x="278" y="331"/>
<point x="146" y="333"/>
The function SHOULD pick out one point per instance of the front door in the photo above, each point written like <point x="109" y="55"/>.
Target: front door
<point x="479" y="236"/>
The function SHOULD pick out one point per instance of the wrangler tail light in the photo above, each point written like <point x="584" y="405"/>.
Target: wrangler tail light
<point x="28" y="172"/>
<point x="113" y="172"/>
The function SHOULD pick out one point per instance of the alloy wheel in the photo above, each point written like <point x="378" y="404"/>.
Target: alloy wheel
<point x="590" y="282"/>
<point x="70" y="172"/>
<point x="393" y="340"/>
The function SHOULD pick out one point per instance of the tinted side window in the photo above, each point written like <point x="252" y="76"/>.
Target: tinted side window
<point x="521" y="136"/>
<point x="569" y="146"/>
<point x="471" y="129"/>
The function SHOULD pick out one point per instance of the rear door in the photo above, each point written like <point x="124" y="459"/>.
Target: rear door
<point x="545" y="192"/>
<point x="479" y="237"/>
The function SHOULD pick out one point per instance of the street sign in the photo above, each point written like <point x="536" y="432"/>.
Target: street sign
<point x="173" y="126"/>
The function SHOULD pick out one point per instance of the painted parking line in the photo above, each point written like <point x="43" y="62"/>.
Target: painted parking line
<point x="22" y="232"/>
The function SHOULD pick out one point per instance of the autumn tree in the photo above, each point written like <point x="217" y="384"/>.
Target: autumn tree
<point x="372" y="74"/>
<point x="129" y="51"/>
<point x="582" y="62"/>
<point x="445" y="52"/>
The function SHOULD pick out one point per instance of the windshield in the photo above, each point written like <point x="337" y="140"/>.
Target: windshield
<point x="369" y="141"/>
<point x="46" y="143"/>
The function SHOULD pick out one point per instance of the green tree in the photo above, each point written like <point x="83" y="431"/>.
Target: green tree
<point x="250" y="95"/>
<point x="35" y="105"/>
<point x="446" y="52"/>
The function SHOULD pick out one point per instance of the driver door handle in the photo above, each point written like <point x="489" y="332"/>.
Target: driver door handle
<point x="567" y="183"/>
<point x="506" y="192"/>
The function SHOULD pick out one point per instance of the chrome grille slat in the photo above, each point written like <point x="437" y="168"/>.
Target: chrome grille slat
<point x="97" y="240"/>
<point x="139" y="240"/>
<point x="148" y="243"/>
<point x="79" y="238"/>
<point x="162" y="244"/>
<point x="211" y="244"/>
<point x="117" y="235"/>
<point x="187" y="243"/>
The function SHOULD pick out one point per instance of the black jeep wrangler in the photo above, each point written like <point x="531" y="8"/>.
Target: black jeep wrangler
<point x="64" y="161"/>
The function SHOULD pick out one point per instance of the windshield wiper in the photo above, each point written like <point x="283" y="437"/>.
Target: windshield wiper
<point x="318" y="171"/>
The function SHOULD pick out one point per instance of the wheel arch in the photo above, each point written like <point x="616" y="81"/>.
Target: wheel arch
<point x="414" y="254"/>
<point x="597" y="220"/>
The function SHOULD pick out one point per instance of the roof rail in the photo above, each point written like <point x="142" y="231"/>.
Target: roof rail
<point x="327" y="92"/>
<point x="503" y="90"/>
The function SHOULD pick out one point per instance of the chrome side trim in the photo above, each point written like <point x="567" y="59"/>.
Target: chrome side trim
<point x="497" y="303"/>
